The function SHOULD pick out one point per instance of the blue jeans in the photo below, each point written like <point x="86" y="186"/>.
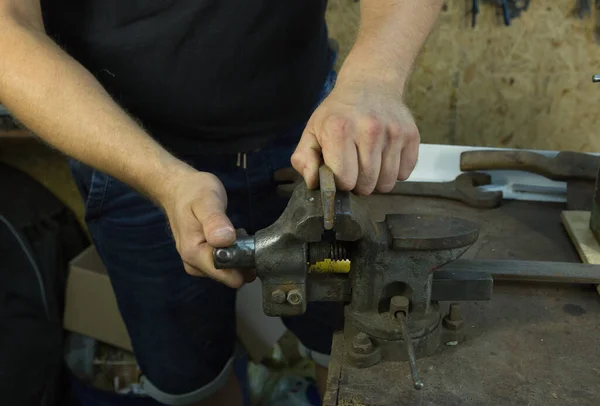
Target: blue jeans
<point x="182" y="327"/>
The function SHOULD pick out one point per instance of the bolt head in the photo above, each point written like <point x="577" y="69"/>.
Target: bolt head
<point x="454" y="313"/>
<point x="399" y="302"/>
<point x="362" y="344"/>
<point x="223" y="254"/>
<point x="278" y="296"/>
<point x="294" y="297"/>
<point x="361" y="338"/>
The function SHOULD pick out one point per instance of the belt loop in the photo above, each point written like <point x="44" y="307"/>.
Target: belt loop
<point x="241" y="160"/>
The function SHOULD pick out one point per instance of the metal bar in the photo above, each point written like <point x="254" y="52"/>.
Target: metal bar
<point x="467" y="279"/>
<point x="448" y="286"/>
<point x="238" y="256"/>
<point x="461" y="286"/>
<point x="410" y="351"/>
<point x="529" y="271"/>
<point x="327" y="186"/>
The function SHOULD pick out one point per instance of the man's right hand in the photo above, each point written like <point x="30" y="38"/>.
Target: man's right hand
<point x="195" y="208"/>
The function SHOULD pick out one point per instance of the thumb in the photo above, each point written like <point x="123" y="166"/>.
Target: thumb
<point x="216" y="226"/>
<point x="307" y="159"/>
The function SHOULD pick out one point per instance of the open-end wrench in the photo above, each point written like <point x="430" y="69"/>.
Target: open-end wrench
<point x="463" y="189"/>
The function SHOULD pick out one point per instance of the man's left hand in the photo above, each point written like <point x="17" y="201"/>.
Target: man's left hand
<point x="365" y="133"/>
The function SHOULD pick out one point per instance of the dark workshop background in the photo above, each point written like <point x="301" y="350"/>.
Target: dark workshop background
<point x="526" y="86"/>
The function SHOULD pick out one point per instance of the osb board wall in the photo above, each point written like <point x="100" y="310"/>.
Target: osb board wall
<point x="526" y="86"/>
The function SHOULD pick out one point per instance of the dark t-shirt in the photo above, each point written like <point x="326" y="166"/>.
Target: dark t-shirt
<point x="201" y="75"/>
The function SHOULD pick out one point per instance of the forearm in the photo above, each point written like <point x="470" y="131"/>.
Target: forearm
<point x="391" y="35"/>
<point x="63" y="104"/>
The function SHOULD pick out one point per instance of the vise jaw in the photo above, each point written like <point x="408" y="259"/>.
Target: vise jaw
<point x="285" y="250"/>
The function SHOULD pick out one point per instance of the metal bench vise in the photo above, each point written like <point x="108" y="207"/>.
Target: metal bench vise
<point x="392" y="288"/>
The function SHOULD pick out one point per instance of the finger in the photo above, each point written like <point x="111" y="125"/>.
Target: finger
<point x="203" y="265"/>
<point x="210" y="212"/>
<point x="370" y="146"/>
<point x="307" y="159"/>
<point x="192" y="270"/>
<point x="390" y="163"/>
<point x="336" y="137"/>
<point x="410" y="155"/>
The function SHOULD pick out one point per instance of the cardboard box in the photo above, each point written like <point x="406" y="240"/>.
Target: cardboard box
<point x="90" y="303"/>
<point x="91" y="309"/>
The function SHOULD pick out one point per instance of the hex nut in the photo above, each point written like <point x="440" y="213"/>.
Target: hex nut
<point x="294" y="297"/>
<point x="453" y="325"/>
<point x="362" y="344"/>
<point x="453" y="321"/>
<point x="278" y="296"/>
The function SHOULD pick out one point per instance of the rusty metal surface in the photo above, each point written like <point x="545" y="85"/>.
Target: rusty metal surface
<point x="327" y="187"/>
<point x="566" y="165"/>
<point x="532" y="344"/>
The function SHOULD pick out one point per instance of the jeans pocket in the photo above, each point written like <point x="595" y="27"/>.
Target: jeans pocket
<point x="92" y="186"/>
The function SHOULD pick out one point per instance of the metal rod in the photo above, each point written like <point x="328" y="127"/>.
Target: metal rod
<point x="530" y="271"/>
<point x="238" y="256"/>
<point x="410" y="350"/>
<point x="327" y="186"/>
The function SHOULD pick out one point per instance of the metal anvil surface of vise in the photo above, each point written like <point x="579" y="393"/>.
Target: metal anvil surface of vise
<point x="392" y="289"/>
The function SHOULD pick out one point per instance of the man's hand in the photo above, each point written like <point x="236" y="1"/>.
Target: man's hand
<point x="364" y="133"/>
<point x="363" y="130"/>
<point x="195" y="208"/>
